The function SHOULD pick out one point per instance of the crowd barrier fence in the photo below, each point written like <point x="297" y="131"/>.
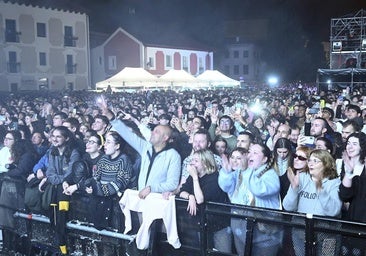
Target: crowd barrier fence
<point x="30" y="234"/>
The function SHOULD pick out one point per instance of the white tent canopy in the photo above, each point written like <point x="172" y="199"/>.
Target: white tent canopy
<point x="213" y="78"/>
<point x="178" y="78"/>
<point x="129" y="77"/>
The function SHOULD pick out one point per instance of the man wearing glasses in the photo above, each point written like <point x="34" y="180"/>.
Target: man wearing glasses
<point x="224" y="128"/>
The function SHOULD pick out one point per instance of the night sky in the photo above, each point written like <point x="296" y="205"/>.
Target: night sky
<point x="297" y="27"/>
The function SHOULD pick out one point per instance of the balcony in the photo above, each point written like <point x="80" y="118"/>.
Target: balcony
<point x="12" y="36"/>
<point x="13" y="67"/>
<point x="70" y="41"/>
<point x="70" y="68"/>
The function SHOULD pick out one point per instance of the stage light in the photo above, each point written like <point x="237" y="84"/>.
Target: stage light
<point x="337" y="46"/>
<point x="363" y="45"/>
<point x="273" y="80"/>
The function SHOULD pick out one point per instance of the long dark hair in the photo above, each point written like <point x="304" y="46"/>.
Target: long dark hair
<point x="282" y="143"/>
<point x="70" y="143"/>
<point x="20" y="147"/>
<point x="16" y="135"/>
<point x="362" y="141"/>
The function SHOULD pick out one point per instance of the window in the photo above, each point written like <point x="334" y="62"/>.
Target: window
<point x="13" y="87"/>
<point x="168" y="61"/>
<point x="150" y="63"/>
<point x="100" y="60"/>
<point x="41" y="29"/>
<point x="227" y="54"/>
<point x="236" y="69"/>
<point x="42" y="59"/>
<point x="112" y="65"/>
<point x="70" y="86"/>
<point x="246" y="54"/>
<point x="227" y="70"/>
<point x="69" y="39"/>
<point x="11" y="34"/>
<point x="185" y="63"/>
<point x="245" y="69"/>
<point x="13" y="65"/>
<point x="236" y="54"/>
<point x="200" y="65"/>
<point x="70" y="66"/>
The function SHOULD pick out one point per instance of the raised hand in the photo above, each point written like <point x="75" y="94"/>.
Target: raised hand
<point x="226" y="164"/>
<point x="192" y="171"/>
<point x="293" y="178"/>
<point x="349" y="165"/>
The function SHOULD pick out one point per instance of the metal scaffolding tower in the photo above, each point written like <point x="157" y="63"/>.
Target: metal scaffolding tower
<point x="348" y="41"/>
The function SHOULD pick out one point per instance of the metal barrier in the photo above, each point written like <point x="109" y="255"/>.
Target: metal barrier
<point x="300" y="234"/>
<point x="297" y="234"/>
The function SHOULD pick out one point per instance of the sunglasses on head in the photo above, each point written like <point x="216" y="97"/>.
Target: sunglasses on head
<point x="301" y="158"/>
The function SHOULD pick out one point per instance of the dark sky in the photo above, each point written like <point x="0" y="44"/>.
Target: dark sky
<point x="296" y="26"/>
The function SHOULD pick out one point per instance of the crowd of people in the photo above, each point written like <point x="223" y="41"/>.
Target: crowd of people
<point x="290" y="148"/>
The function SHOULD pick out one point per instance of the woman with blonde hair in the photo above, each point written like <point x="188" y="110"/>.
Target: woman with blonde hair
<point x="202" y="186"/>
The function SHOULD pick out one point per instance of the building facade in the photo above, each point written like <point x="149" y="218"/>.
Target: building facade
<point x="122" y="50"/>
<point x="43" y="48"/>
<point x="241" y="55"/>
<point x="242" y="61"/>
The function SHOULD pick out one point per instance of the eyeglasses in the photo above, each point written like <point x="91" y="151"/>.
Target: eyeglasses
<point x="301" y="158"/>
<point x="314" y="160"/>
<point x="91" y="142"/>
<point x="6" y="138"/>
<point x="225" y="121"/>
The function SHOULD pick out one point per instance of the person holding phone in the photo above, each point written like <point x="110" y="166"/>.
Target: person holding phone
<point x="160" y="162"/>
<point x="315" y="192"/>
<point x="318" y="127"/>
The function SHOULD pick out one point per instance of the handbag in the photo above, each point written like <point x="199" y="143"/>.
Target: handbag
<point x="47" y="197"/>
<point x="32" y="196"/>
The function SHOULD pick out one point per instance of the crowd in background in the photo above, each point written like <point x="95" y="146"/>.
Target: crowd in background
<point x="292" y="148"/>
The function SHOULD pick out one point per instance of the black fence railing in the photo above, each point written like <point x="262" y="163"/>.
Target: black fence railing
<point x="283" y="233"/>
<point x="297" y="234"/>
